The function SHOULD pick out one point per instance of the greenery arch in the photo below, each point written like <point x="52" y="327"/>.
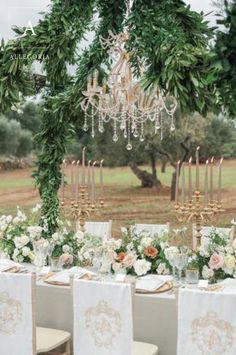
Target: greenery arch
<point x="171" y="39"/>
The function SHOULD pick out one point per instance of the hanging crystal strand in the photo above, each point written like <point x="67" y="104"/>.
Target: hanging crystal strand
<point x="93" y="124"/>
<point x="172" y="125"/>
<point x="161" y="126"/>
<point x="85" y="126"/>
<point x="141" y="138"/>
<point x="125" y="131"/>
<point x="100" y="123"/>
<point x="129" y="145"/>
<point x="115" y="136"/>
<point x="157" y="122"/>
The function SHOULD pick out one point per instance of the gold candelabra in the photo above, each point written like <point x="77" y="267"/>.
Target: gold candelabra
<point x="197" y="212"/>
<point x="80" y="210"/>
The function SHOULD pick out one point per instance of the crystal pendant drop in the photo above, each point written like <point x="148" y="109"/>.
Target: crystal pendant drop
<point x="101" y="129"/>
<point x="141" y="138"/>
<point x="172" y="127"/>
<point x="135" y="133"/>
<point x="115" y="138"/>
<point x="129" y="146"/>
<point x="125" y="134"/>
<point x="85" y="127"/>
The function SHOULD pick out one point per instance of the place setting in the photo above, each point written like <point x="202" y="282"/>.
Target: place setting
<point x="117" y="177"/>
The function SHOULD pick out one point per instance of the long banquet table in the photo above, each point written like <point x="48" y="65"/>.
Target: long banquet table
<point x="155" y="316"/>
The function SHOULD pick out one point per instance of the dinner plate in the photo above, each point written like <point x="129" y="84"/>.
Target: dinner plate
<point x="164" y="288"/>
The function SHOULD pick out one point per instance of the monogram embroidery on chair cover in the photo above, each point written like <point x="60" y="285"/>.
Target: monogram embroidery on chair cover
<point x="10" y="314"/>
<point x="212" y="335"/>
<point x="104" y="323"/>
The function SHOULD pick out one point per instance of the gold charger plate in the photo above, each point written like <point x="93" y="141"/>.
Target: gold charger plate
<point x="58" y="283"/>
<point x="13" y="269"/>
<point x="166" y="287"/>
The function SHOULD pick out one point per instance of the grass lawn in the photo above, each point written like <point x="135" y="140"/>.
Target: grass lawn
<point x="125" y="201"/>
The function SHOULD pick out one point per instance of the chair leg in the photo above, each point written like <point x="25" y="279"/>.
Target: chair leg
<point x="68" y="348"/>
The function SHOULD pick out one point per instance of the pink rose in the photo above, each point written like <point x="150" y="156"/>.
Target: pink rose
<point x="129" y="260"/>
<point x="216" y="261"/>
<point x="66" y="259"/>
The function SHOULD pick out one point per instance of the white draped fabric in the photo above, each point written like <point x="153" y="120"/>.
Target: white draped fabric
<point x="227" y="233"/>
<point x="99" y="229"/>
<point x="206" y="323"/>
<point x="102" y="318"/>
<point x="17" y="328"/>
<point x="152" y="229"/>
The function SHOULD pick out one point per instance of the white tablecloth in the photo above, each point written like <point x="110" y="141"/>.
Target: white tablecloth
<point x="155" y="316"/>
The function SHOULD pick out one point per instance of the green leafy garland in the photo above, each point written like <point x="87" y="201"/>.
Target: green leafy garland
<point x="171" y="39"/>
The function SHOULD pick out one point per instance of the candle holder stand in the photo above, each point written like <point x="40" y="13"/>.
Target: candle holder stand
<point x="197" y="212"/>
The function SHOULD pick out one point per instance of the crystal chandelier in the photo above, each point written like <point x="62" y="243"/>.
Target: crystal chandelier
<point x="121" y="98"/>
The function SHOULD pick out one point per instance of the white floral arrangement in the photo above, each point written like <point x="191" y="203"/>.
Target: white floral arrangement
<point x="216" y="259"/>
<point x="17" y="234"/>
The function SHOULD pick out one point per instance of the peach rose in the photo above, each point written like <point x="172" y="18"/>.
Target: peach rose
<point x="151" y="252"/>
<point x="129" y="260"/>
<point x="216" y="261"/>
<point x="120" y="257"/>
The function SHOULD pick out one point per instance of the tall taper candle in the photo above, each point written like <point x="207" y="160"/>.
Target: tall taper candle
<point x="220" y="180"/>
<point x="197" y="169"/>
<point x="89" y="178"/>
<point x="190" y="192"/>
<point x="101" y="177"/>
<point x="211" y="180"/>
<point x="93" y="181"/>
<point x="72" y="180"/>
<point x="183" y="184"/>
<point x="63" y="179"/>
<point x="83" y="165"/>
<point x="77" y="181"/>
<point x="177" y="183"/>
<point x="206" y="183"/>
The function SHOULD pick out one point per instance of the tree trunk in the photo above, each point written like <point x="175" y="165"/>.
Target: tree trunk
<point x="173" y="184"/>
<point x="163" y="165"/>
<point x="154" y="171"/>
<point x="147" y="179"/>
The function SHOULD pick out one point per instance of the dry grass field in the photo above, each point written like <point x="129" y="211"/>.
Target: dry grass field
<point x="125" y="201"/>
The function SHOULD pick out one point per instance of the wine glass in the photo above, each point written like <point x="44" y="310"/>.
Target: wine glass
<point x="41" y="248"/>
<point x="181" y="260"/>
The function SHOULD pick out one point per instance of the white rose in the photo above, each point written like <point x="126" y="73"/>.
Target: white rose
<point x="141" y="267"/>
<point x="162" y="269"/>
<point x="229" y="264"/>
<point x="207" y="273"/>
<point x="34" y="231"/>
<point x="20" y="242"/>
<point x="79" y="235"/>
<point x="146" y="242"/>
<point x="229" y="249"/>
<point x="25" y="251"/>
<point x="203" y="251"/>
<point x="15" y="254"/>
<point x="66" y="249"/>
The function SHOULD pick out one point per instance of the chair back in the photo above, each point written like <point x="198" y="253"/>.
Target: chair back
<point x="17" y="317"/>
<point x="102" y="318"/>
<point x="226" y="233"/>
<point x="99" y="229"/>
<point x="152" y="229"/>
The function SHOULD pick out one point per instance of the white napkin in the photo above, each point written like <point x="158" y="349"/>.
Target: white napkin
<point x="149" y="285"/>
<point x="64" y="276"/>
<point x="6" y="264"/>
<point x="229" y="286"/>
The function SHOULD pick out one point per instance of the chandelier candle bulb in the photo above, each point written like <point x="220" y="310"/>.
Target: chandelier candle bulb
<point x="211" y="180"/>
<point x="197" y="169"/>
<point x="72" y="180"/>
<point x="183" y="184"/>
<point x="177" y="183"/>
<point x="206" y="183"/>
<point x="190" y="180"/>
<point x="220" y="180"/>
<point x="83" y="165"/>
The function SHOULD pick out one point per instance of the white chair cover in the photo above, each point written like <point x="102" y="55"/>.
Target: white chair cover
<point x="152" y="229"/>
<point x="99" y="229"/>
<point x="207" y="325"/>
<point x="227" y="233"/>
<point x="102" y="318"/>
<point x="17" y="320"/>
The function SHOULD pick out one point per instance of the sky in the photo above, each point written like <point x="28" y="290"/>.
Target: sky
<point x="19" y="12"/>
